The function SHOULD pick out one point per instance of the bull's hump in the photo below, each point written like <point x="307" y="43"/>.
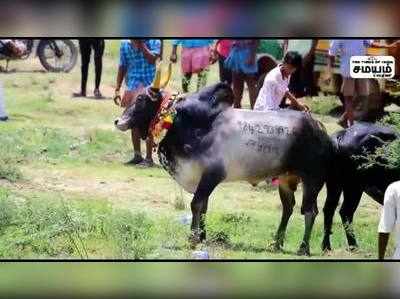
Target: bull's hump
<point x="281" y="113"/>
<point x="268" y="122"/>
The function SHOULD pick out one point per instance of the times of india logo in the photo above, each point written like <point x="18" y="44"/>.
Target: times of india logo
<point x="369" y="67"/>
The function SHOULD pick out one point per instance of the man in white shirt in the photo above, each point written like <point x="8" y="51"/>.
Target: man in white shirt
<point x="275" y="86"/>
<point x="390" y="220"/>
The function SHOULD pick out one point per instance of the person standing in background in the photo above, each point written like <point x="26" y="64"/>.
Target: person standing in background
<point x="137" y="67"/>
<point x="390" y="220"/>
<point x="86" y="46"/>
<point x="242" y="62"/>
<point x="196" y="56"/>
<point x="3" y="113"/>
<point x="302" y="81"/>
<point x="221" y="52"/>
<point x="346" y="48"/>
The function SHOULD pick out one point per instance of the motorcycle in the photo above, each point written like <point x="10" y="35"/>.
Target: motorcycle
<point x="54" y="55"/>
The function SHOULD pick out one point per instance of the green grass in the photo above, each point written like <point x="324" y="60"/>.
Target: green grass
<point x="64" y="192"/>
<point x="389" y="154"/>
<point x="323" y="105"/>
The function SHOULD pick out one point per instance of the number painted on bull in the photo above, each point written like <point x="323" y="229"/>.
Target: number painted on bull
<point x="248" y="128"/>
<point x="262" y="146"/>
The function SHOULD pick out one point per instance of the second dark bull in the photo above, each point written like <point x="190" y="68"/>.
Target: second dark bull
<point x="352" y="179"/>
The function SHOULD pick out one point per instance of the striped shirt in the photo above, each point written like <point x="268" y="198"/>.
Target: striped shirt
<point x="139" y="71"/>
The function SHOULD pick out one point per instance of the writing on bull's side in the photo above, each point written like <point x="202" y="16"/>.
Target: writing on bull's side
<point x="248" y="128"/>
<point x="262" y="146"/>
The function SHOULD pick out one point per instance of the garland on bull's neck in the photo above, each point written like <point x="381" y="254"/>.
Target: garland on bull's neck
<point x="166" y="113"/>
<point x="164" y="118"/>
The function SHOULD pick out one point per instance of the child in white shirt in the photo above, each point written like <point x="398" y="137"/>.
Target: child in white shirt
<point x="276" y="82"/>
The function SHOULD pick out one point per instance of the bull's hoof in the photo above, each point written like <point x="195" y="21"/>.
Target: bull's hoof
<point x="326" y="249"/>
<point x="202" y="236"/>
<point x="353" y="248"/>
<point x="304" y="250"/>
<point x="194" y="240"/>
<point x="275" y="246"/>
<point x="326" y="246"/>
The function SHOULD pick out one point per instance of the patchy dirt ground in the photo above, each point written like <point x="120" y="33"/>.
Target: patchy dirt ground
<point x="83" y="161"/>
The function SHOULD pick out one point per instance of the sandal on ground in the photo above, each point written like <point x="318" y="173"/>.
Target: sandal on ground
<point x="97" y="94"/>
<point x="135" y="160"/>
<point x="146" y="163"/>
<point x="78" y="95"/>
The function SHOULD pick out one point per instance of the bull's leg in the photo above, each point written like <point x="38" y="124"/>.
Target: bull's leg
<point x="351" y="199"/>
<point x="375" y="194"/>
<point x="333" y="195"/>
<point x="286" y="194"/>
<point x="310" y="210"/>
<point x="207" y="184"/>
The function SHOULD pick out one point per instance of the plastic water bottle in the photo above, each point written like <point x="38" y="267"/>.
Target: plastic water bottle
<point x="201" y="255"/>
<point x="185" y="219"/>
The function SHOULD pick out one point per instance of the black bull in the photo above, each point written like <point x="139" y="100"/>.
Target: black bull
<point x="210" y="142"/>
<point x="352" y="179"/>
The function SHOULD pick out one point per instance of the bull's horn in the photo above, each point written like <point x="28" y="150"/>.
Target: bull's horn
<point x="165" y="79"/>
<point x="157" y="78"/>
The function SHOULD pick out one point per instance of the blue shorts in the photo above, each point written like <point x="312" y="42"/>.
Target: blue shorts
<point x="237" y="61"/>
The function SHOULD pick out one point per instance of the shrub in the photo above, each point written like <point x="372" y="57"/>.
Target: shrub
<point x="393" y="120"/>
<point x="179" y="202"/>
<point x="133" y="234"/>
<point x="389" y="154"/>
<point x="9" y="158"/>
<point x="227" y="227"/>
<point x="7" y="210"/>
<point x="9" y="170"/>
